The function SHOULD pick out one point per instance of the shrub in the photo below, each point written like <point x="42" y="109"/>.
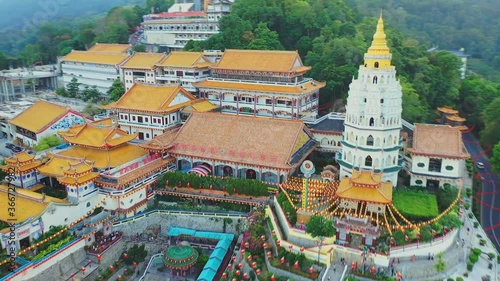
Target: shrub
<point x="450" y="279"/>
<point x="482" y="242"/>
<point x="491" y="256"/>
<point x="468" y="192"/>
<point x="459" y="279"/>
<point x="467" y="205"/>
<point x="470" y="266"/>
<point x="473" y="258"/>
<point x="466" y="274"/>
<point x="471" y="215"/>
<point x="476" y="224"/>
<point x="477" y="251"/>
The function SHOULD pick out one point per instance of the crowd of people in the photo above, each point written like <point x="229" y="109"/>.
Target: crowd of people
<point x="102" y="242"/>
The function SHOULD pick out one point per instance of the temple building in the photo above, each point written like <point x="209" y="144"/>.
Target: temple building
<point x="437" y="156"/>
<point x="24" y="166"/>
<point x="149" y="110"/>
<point x="140" y="67"/>
<point x="184" y="69"/>
<point x="239" y="146"/>
<point x="99" y="66"/>
<point x="449" y="116"/>
<point x="262" y="83"/>
<point x="42" y="119"/>
<point x="371" y="139"/>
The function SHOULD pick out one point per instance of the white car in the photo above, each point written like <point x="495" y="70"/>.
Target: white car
<point x="480" y="165"/>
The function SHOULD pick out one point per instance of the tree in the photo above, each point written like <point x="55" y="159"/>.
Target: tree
<point x="445" y="196"/>
<point x="116" y="90"/>
<point x="73" y="88"/>
<point x="265" y="39"/>
<point x="92" y="110"/>
<point x="91" y="94"/>
<point x="139" y="48"/>
<point x="440" y="264"/>
<point x="319" y="226"/>
<point x="4" y="63"/>
<point x="413" y="109"/>
<point x="495" y="159"/>
<point x="61" y="92"/>
<point x="491" y="116"/>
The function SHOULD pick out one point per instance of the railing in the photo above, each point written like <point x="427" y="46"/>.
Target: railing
<point x="408" y="124"/>
<point x="260" y="82"/>
<point x="149" y="265"/>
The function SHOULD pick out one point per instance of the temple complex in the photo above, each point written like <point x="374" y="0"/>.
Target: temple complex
<point x="262" y="83"/>
<point x="233" y="146"/>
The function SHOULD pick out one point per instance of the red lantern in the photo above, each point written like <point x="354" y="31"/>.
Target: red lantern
<point x="268" y="254"/>
<point x="296" y="265"/>
<point x="373" y="269"/>
<point x="407" y="238"/>
<point x="273" y="232"/>
<point x="224" y="275"/>
<point x="83" y="269"/>
<point x="419" y="235"/>
<point x="242" y="252"/>
<point x="247" y="245"/>
<point x="392" y="241"/>
<point x="245" y="276"/>
<point x="301" y="249"/>
<point x="234" y="258"/>
<point x="111" y="268"/>
<point x="264" y="245"/>
<point x="254" y="264"/>
<point x="273" y="278"/>
<point x="134" y="264"/>
<point x="311" y="269"/>
<point x="282" y="260"/>
<point x="290" y="246"/>
<point x="240" y="265"/>
<point x="249" y="258"/>
<point x="119" y="277"/>
<point x="237" y="273"/>
<point x="278" y="242"/>
<point x="263" y="238"/>
<point x="125" y="256"/>
<point x="257" y="271"/>
<point x="229" y="266"/>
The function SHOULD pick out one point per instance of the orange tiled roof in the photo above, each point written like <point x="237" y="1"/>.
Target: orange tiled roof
<point x="257" y="87"/>
<point x="110" y="48"/>
<point x="21" y="162"/>
<point x="143" y="60"/>
<point x="234" y="138"/>
<point x="20" y="157"/>
<point x="438" y="140"/>
<point x="455" y="118"/>
<point x="365" y="186"/>
<point x="25" y="208"/>
<point x="58" y="163"/>
<point x="97" y="135"/>
<point x="185" y="59"/>
<point x="158" y="98"/>
<point x="262" y="60"/>
<point x="200" y="105"/>
<point x="39" y="115"/>
<point x="103" y="158"/>
<point x="95" y="57"/>
<point x="78" y="180"/>
<point x="447" y="110"/>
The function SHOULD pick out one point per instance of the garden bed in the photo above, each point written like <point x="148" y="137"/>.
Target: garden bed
<point x="416" y="206"/>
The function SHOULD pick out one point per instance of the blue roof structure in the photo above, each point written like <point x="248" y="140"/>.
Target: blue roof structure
<point x="214" y="261"/>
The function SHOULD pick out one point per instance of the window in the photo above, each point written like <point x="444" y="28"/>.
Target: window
<point x="365" y="100"/>
<point x="419" y="182"/>
<point x="139" y="119"/>
<point x="372" y="122"/>
<point x="435" y="165"/>
<point x="173" y="118"/>
<point x="85" y="188"/>
<point x="420" y="165"/>
<point x="133" y="118"/>
<point x="381" y="100"/>
<point x="88" y="204"/>
<point x="369" y="140"/>
<point x="375" y="79"/>
<point x="147" y="135"/>
<point x="368" y="161"/>
<point x="449" y="168"/>
<point x="376" y="64"/>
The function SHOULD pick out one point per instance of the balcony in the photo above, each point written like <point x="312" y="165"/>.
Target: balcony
<point x="146" y="125"/>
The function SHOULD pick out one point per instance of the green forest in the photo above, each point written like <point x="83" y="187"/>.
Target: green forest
<point x="332" y="36"/>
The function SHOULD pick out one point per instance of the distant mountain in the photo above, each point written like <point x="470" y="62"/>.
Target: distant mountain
<point x="27" y="14"/>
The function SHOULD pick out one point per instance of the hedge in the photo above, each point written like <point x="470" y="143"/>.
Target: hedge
<point x="416" y="206"/>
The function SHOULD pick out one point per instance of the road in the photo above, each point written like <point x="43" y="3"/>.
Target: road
<point x="490" y="196"/>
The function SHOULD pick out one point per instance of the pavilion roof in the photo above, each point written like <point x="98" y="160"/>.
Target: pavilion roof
<point x="110" y="48"/>
<point x="447" y="110"/>
<point x="185" y="59"/>
<point x="455" y="118"/>
<point x="365" y="186"/>
<point x="21" y="162"/>
<point x="260" y="87"/>
<point x="143" y="60"/>
<point x="104" y="158"/>
<point x="20" y="157"/>
<point x="200" y="105"/>
<point x="438" y="140"/>
<point x="262" y="60"/>
<point x="156" y="98"/>
<point x="98" y="134"/>
<point x="39" y="116"/>
<point x="58" y="164"/>
<point x="96" y="57"/>
<point x="235" y="138"/>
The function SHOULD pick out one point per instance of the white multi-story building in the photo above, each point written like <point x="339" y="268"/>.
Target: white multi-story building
<point x="437" y="156"/>
<point x="183" y="68"/>
<point x="99" y="66"/>
<point x="262" y="83"/>
<point x="172" y="30"/>
<point x="150" y="110"/>
<point x="140" y="67"/>
<point x="373" y="115"/>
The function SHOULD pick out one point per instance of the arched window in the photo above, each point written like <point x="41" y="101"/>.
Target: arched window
<point x="372" y="122"/>
<point x="375" y="79"/>
<point x="376" y="64"/>
<point x="368" y="161"/>
<point x="381" y="100"/>
<point x="369" y="140"/>
<point x="365" y="100"/>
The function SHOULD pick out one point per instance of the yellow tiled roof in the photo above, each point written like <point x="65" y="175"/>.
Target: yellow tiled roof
<point x="57" y="164"/>
<point x="143" y="60"/>
<point x="266" y="88"/>
<point x="21" y="162"/>
<point x="39" y="115"/>
<point x="96" y="135"/>
<point x="79" y="179"/>
<point x="95" y="57"/>
<point x="447" y="110"/>
<point x="22" y="168"/>
<point x="365" y="186"/>
<point x="117" y="156"/>
<point x="185" y="59"/>
<point x="151" y="98"/>
<point x="200" y="105"/>
<point x="438" y="140"/>
<point x="261" y="60"/>
<point x="28" y="204"/>
<point x="19" y="157"/>
<point x="110" y="48"/>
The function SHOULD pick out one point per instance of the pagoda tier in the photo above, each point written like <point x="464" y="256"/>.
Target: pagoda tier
<point x="78" y="174"/>
<point x="180" y="257"/>
<point x="23" y="166"/>
<point x="365" y="186"/>
<point x="98" y="134"/>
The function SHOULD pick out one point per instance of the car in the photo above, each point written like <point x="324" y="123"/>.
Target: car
<point x="62" y="146"/>
<point x="16" y="149"/>
<point x="9" y="145"/>
<point x="480" y="165"/>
